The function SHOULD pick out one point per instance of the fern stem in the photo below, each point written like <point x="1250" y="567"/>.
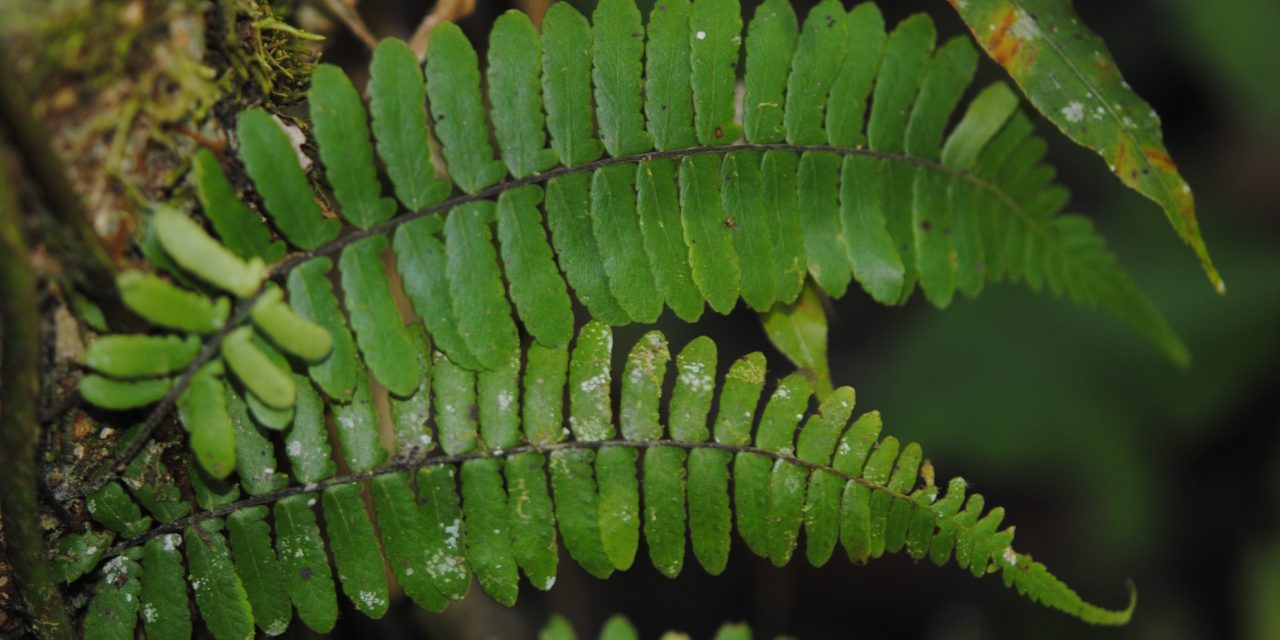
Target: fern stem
<point x="19" y="431"/>
<point x="401" y="465"/>
<point x="283" y="267"/>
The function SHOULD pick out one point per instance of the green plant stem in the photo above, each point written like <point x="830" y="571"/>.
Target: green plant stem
<point x="70" y="237"/>
<point x="1022" y="562"/>
<point x="19" y="429"/>
<point x="411" y="464"/>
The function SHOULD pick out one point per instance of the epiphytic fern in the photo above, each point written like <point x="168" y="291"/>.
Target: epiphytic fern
<point x="838" y="169"/>
<point x="656" y="194"/>
<point x="481" y="505"/>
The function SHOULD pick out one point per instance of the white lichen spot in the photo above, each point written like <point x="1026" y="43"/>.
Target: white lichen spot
<point x="694" y="376"/>
<point x="453" y="532"/>
<point x="595" y="382"/>
<point x="311" y="502"/>
<point x="1025" y="26"/>
<point x="294" y="448"/>
<point x="408" y="571"/>
<point x="1073" y="112"/>
<point x="701" y="35"/>
<point x="149" y="614"/>
<point x="548" y="583"/>
<point x="1010" y="557"/>
<point x="505" y="398"/>
<point x="115" y="569"/>
<point x="370" y="599"/>
<point x="440" y="564"/>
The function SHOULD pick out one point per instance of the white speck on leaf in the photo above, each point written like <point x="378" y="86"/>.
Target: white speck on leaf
<point x="1025" y="26"/>
<point x="1073" y="112"/>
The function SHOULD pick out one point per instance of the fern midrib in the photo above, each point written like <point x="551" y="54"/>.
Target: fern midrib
<point x="283" y="267"/>
<point x="121" y="459"/>
<point x="401" y="465"/>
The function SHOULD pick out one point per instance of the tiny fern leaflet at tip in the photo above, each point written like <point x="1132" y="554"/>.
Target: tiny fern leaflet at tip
<point x="505" y="483"/>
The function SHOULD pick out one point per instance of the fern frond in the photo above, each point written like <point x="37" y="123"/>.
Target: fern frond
<point x="653" y="193"/>
<point x="846" y="173"/>
<point x="507" y="481"/>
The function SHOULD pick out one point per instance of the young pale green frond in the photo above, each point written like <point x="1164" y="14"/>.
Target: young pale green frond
<point x="508" y="482"/>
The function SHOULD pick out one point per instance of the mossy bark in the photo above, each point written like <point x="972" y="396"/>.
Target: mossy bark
<point x="19" y="427"/>
<point x="124" y="92"/>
